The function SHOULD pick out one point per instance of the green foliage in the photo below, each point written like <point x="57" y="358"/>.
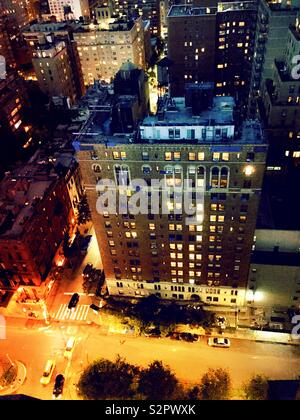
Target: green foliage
<point x="157" y="382"/>
<point x="256" y="388"/>
<point x="215" y="385"/>
<point x="150" y="311"/>
<point x="104" y="379"/>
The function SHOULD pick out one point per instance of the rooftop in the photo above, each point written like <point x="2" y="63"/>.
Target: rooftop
<point x="117" y="25"/>
<point x="189" y="10"/>
<point x="25" y="187"/>
<point x="176" y="113"/>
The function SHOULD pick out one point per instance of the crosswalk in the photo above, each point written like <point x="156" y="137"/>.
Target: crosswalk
<point x="80" y="313"/>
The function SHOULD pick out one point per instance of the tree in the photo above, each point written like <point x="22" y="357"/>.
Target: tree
<point x="215" y="385"/>
<point x="106" y="379"/>
<point x="147" y="309"/>
<point x="256" y="388"/>
<point x="157" y="382"/>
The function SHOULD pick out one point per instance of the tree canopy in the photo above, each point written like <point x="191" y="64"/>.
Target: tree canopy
<point x="157" y="382"/>
<point x="256" y="388"/>
<point x="215" y="385"/>
<point x="106" y="379"/>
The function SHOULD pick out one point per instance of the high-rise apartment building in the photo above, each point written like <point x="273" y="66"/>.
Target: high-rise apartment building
<point x="147" y="9"/>
<point x="214" y="42"/>
<point x="37" y="33"/>
<point x="280" y="104"/>
<point x="103" y="51"/>
<point x="158" y="252"/>
<point x="36" y="212"/>
<point x="53" y="69"/>
<point x="273" y="21"/>
<point x="66" y="9"/>
<point x="14" y="16"/>
<point x="14" y="134"/>
<point x="191" y="46"/>
<point x="6" y="49"/>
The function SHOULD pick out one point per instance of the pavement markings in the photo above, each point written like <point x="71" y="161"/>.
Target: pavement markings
<point x="78" y="314"/>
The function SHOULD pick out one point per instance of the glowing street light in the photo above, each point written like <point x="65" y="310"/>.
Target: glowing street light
<point x="249" y="170"/>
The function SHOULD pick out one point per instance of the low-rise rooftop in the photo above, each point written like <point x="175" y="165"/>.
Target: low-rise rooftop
<point x="175" y="112"/>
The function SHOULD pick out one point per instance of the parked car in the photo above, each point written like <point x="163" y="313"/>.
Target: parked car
<point x="58" y="387"/>
<point x="174" y="335"/>
<point x="73" y="301"/>
<point x="154" y="333"/>
<point x="48" y="371"/>
<point x="219" y="342"/>
<point x="70" y="347"/>
<point x="189" y="337"/>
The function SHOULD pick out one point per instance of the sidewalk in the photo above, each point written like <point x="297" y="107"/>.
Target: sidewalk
<point x="20" y="379"/>
<point x="260" y="336"/>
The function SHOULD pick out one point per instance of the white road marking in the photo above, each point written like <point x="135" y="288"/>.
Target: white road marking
<point x="80" y="313"/>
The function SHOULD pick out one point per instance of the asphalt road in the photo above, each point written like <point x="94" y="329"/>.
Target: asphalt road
<point x="34" y="345"/>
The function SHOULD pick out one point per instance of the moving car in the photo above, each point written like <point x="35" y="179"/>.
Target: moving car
<point x="189" y="337"/>
<point x="58" y="387"/>
<point x="73" y="301"/>
<point x="70" y="347"/>
<point x="219" y="342"/>
<point x="154" y="333"/>
<point x="88" y="269"/>
<point x="48" y="371"/>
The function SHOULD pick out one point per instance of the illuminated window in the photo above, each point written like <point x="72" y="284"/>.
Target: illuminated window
<point x="225" y="156"/>
<point x="201" y="156"/>
<point x="168" y="155"/>
<point x="192" y="156"/>
<point x="151" y="226"/>
<point x="216" y="156"/>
